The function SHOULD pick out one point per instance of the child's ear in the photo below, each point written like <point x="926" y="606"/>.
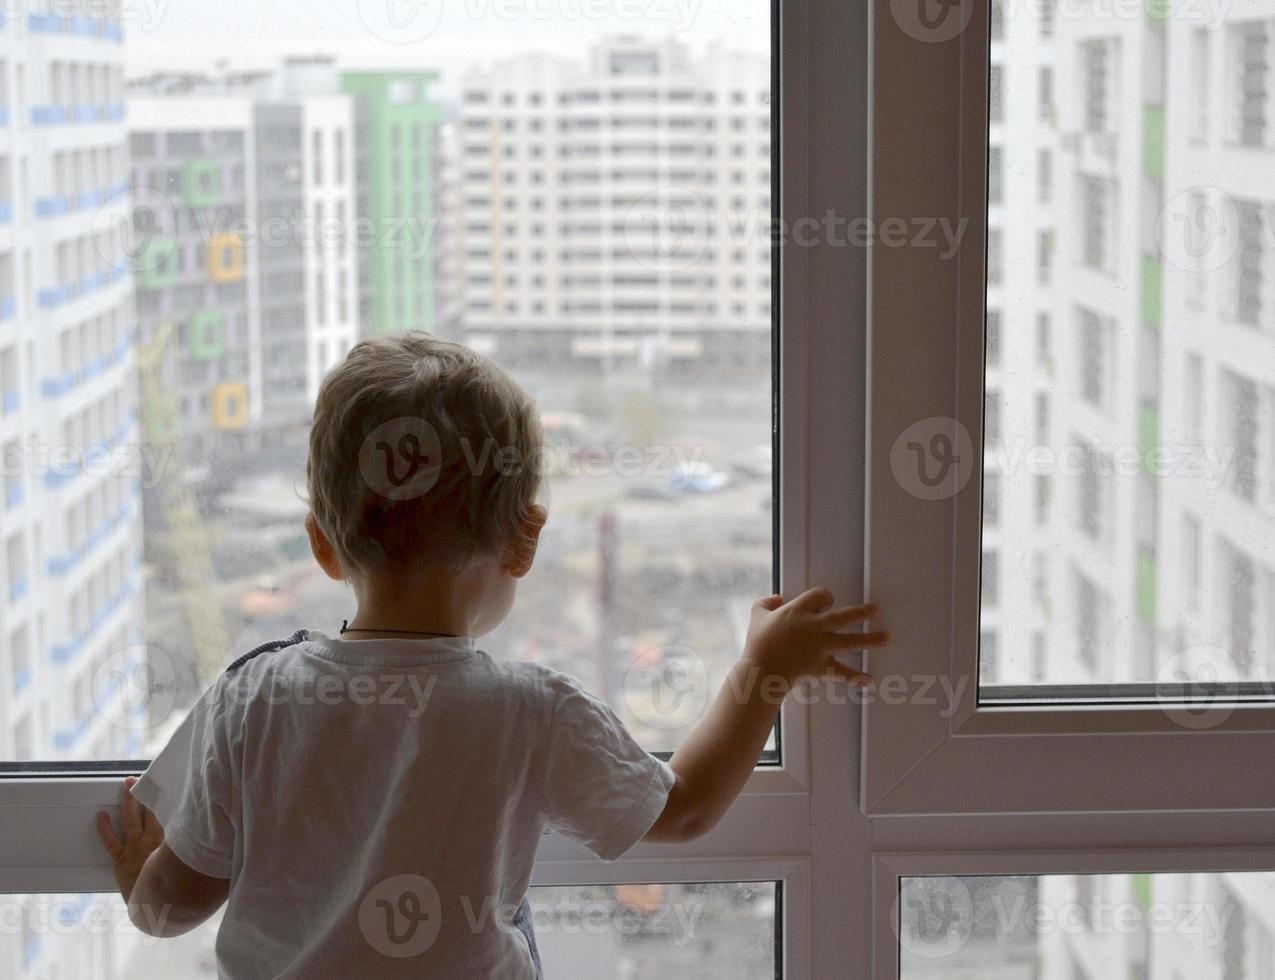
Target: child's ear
<point x="322" y="549"/>
<point x="520" y="559"/>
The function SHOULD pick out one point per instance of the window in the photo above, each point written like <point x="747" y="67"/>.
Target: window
<point x="1045" y="94"/>
<point x="994" y="175"/>
<point x="1097" y="357"/>
<point x="1082" y="739"/>
<point x="1249" y="272"/>
<point x="672" y="510"/>
<point x="581" y="930"/>
<point x="1097" y="216"/>
<point x="991" y="499"/>
<point x="1096" y="72"/>
<point x="1095" y="467"/>
<point x="1123" y="924"/>
<point x="1193" y="400"/>
<point x="1242" y="415"/>
<point x="1249" y="50"/>
<point x="992" y="418"/>
<point x="991" y="579"/>
<point x="1192" y="573"/>
<point x="1200" y="83"/>
<point x="1044" y="257"/>
<point x="1142" y="625"/>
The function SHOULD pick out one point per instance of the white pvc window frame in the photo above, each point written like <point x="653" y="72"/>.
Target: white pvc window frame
<point x="785" y="828"/>
<point x="968" y="789"/>
<point x="865" y="798"/>
<point x="926" y="352"/>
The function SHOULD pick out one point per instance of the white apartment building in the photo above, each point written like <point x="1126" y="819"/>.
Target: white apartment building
<point x="1163" y="336"/>
<point x="1244" y="949"/>
<point x="1019" y="502"/>
<point x="1109" y="311"/>
<point x="253" y="180"/>
<point x="1218" y="537"/>
<point x="71" y="519"/>
<point x="618" y="211"/>
<point x="1159" y="927"/>
<point x="70" y="513"/>
<point x="449" y="260"/>
<point x="1129" y="315"/>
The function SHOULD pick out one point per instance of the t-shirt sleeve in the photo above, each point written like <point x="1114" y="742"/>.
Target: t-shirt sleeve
<point x="602" y="788"/>
<point x="190" y="788"/>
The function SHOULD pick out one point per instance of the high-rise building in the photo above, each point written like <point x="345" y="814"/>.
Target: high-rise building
<point x="70" y="513"/>
<point x="1128" y="325"/>
<point x="1018" y="645"/>
<point x="398" y="166"/>
<point x="249" y="269"/>
<point x="1131" y="333"/>
<point x="593" y="202"/>
<point x="448" y="266"/>
<point x="71" y="522"/>
<point x="1108" y="312"/>
<point x="1216" y="321"/>
<point x="1159" y="926"/>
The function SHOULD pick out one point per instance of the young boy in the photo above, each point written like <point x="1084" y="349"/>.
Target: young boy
<point x="362" y="803"/>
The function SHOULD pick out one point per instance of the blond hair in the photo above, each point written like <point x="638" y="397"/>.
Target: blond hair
<point x="475" y="492"/>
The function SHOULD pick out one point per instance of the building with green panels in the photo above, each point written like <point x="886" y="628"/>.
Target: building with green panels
<point x="397" y="120"/>
<point x="246" y="174"/>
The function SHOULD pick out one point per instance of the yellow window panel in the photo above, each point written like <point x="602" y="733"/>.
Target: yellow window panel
<point x="230" y="405"/>
<point x="225" y="258"/>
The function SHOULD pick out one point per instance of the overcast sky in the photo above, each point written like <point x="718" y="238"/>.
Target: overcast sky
<point x="447" y="35"/>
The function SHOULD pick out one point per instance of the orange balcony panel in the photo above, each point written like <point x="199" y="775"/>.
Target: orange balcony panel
<point x="230" y="406"/>
<point x="225" y="258"/>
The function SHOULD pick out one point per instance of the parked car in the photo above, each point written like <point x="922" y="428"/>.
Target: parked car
<point x="650" y="491"/>
<point x="697" y="478"/>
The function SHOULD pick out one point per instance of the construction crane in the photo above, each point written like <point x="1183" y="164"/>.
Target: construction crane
<point x="187" y="538"/>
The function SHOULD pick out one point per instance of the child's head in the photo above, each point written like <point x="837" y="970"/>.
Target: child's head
<point x="423" y="451"/>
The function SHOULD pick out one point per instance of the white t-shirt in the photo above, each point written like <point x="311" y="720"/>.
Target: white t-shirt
<point x="376" y="804"/>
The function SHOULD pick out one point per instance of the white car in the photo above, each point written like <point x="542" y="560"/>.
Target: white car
<point x="697" y="478"/>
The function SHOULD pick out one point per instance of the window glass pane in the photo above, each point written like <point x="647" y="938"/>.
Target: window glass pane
<point x="650" y="932"/>
<point x="1132" y="444"/>
<point x="200" y="228"/>
<point x="629" y="932"/>
<point x="1087" y="927"/>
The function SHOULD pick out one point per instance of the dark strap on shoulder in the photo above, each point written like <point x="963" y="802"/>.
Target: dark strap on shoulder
<point x="300" y="636"/>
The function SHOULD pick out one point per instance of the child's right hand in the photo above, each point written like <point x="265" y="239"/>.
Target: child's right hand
<point x="800" y="639"/>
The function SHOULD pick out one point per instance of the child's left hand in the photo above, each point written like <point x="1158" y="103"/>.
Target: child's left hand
<point x="142" y="836"/>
